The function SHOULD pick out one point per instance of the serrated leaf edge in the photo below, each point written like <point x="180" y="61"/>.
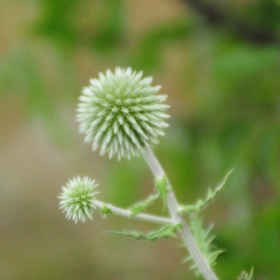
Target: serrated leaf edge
<point x="203" y="203"/>
<point x="163" y="232"/>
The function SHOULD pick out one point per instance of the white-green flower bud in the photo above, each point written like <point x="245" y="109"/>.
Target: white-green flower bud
<point x="77" y="197"/>
<point x="120" y="113"/>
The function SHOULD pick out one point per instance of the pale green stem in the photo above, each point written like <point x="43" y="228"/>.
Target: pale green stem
<point x="173" y="207"/>
<point x="127" y="213"/>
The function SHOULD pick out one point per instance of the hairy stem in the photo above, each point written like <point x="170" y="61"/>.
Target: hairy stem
<point x="127" y="213"/>
<point x="173" y="207"/>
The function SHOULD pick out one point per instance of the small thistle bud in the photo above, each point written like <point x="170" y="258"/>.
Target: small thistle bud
<point x="77" y="197"/>
<point x="120" y="113"/>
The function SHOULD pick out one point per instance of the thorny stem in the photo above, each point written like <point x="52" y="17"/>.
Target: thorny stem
<point x="126" y="213"/>
<point x="173" y="207"/>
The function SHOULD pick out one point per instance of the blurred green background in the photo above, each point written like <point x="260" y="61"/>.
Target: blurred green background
<point x="219" y="63"/>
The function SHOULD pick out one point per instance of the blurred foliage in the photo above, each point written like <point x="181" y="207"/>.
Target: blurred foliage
<point x="97" y="24"/>
<point x="225" y="99"/>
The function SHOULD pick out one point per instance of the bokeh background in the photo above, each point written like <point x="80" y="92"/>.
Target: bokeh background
<point x="219" y="63"/>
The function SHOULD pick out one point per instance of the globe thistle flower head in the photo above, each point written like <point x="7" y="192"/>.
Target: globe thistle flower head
<point x="120" y="113"/>
<point x="77" y="197"/>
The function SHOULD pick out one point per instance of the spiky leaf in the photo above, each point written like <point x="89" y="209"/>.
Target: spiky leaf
<point x="246" y="276"/>
<point x="203" y="239"/>
<point x="164" y="232"/>
<point x="162" y="187"/>
<point x="105" y="210"/>
<point x="202" y="203"/>
<point x="142" y="205"/>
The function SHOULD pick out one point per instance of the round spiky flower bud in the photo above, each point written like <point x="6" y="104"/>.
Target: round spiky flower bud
<point x="76" y="199"/>
<point x="120" y="113"/>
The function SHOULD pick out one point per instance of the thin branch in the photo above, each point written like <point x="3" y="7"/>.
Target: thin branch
<point x="126" y="213"/>
<point x="173" y="207"/>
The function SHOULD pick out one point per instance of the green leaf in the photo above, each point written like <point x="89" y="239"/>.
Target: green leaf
<point x="164" y="232"/>
<point x="142" y="205"/>
<point x="204" y="240"/>
<point x="246" y="276"/>
<point x="202" y="203"/>
<point x="161" y="186"/>
<point x="106" y="210"/>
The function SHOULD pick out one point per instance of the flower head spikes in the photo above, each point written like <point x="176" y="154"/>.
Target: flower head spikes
<point x="120" y="113"/>
<point x="77" y="197"/>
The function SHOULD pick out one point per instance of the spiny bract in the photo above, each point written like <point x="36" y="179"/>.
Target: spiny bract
<point x="77" y="197"/>
<point x="120" y="113"/>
